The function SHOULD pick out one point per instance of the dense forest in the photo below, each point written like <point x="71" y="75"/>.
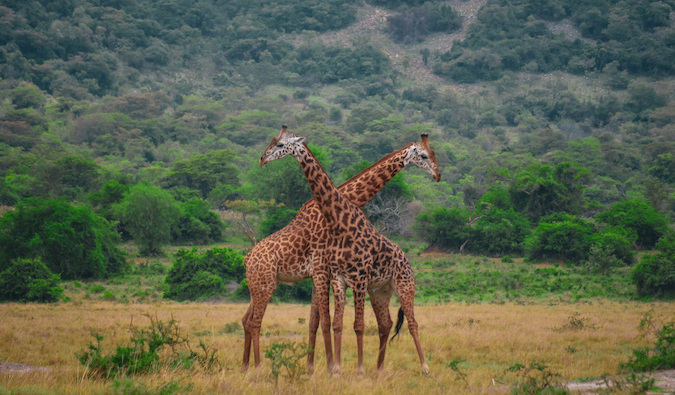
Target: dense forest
<point x="142" y="121"/>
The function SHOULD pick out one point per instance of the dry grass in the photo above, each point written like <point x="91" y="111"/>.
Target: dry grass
<point x="488" y="337"/>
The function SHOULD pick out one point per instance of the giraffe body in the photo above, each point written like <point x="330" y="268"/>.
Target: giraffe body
<point x="358" y="256"/>
<point x="296" y="252"/>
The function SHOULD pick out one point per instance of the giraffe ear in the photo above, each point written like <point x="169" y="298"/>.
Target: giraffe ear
<point x="296" y="139"/>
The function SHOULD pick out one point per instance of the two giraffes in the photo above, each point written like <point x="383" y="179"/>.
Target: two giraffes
<point x="332" y="242"/>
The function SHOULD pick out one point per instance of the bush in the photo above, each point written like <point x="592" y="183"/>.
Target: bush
<point x="199" y="276"/>
<point x="29" y="280"/>
<point x="443" y="227"/>
<point x="561" y="237"/>
<point x="143" y="354"/>
<point x="197" y="225"/>
<point x="655" y="274"/>
<point x="499" y="232"/>
<point x="71" y="241"/>
<point x="639" y="216"/>
<point x="619" y="242"/>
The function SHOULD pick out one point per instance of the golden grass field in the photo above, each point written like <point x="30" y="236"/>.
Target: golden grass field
<point x="489" y="337"/>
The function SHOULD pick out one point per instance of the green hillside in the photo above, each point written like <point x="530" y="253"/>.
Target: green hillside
<point x="553" y="122"/>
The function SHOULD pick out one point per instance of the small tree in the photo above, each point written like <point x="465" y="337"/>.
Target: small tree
<point x="29" y="280"/>
<point x="148" y="213"/>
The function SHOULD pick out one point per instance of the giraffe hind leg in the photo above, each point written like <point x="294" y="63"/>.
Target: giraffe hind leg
<point x="406" y="295"/>
<point x="379" y="300"/>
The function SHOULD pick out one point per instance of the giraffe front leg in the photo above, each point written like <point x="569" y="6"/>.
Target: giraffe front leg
<point x="359" y="323"/>
<point x="406" y="295"/>
<point x="314" y="318"/>
<point x="339" y="292"/>
<point x="260" y="297"/>
<point x="322" y="286"/>
<point x="379" y="300"/>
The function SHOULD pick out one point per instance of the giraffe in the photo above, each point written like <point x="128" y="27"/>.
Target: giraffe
<point x="358" y="256"/>
<point x="296" y="253"/>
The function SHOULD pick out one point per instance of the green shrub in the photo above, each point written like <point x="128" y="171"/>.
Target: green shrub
<point x="619" y="242"/>
<point x="639" y="216"/>
<point x="443" y="227"/>
<point x="655" y="274"/>
<point x="198" y="276"/>
<point x="29" y="280"/>
<point x="197" y="225"/>
<point x="71" y="241"/>
<point x="661" y="355"/>
<point x="287" y="355"/>
<point x="561" y="237"/>
<point x="499" y="232"/>
<point x="602" y="260"/>
<point x="143" y="354"/>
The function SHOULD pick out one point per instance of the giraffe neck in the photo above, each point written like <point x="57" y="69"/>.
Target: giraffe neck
<point x="361" y="188"/>
<point x="331" y="202"/>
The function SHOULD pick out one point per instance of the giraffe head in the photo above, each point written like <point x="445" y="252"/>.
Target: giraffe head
<point x="423" y="156"/>
<point x="281" y="146"/>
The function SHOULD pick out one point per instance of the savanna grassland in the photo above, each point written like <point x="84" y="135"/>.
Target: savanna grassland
<point x="487" y="338"/>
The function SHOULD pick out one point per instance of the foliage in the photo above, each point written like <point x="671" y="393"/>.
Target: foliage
<point x="561" y="237"/>
<point x="443" y="227"/>
<point x="414" y="25"/>
<point x="205" y="172"/>
<point x="199" y="276"/>
<point x="148" y="213"/>
<point x="537" y="378"/>
<point x="197" y="224"/>
<point x="541" y="190"/>
<point x="144" y="352"/>
<point x="71" y="241"/>
<point x="638" y="216"/>
<point x="28" y="280"/>
<point x="661" y="355"/>
<point x="287" y="355"/>
<point x="655" y="274"/>
<point x="499" y="232"/>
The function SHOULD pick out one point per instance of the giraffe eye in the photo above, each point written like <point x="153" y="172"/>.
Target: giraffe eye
<point x="424" y="156"/>
<point x="280" y="145"/>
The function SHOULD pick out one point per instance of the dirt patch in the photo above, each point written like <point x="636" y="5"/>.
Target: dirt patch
<point x="12" y="367"/>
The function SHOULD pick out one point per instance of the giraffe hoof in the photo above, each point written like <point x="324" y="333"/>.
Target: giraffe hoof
<point x="425" y="368"/>
<point x="337" y="371"/>
<point x="361" y="371"/>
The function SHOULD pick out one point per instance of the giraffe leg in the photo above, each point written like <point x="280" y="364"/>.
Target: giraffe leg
<point x="379" y="300"/>
<point x="406" y="295"/>
<point x="322" y="287"/>
<point x="260" y="297"/>
<point x="339" y="291"/>
<point x="247" y="338"/>
<point x="314" y="318"/>
<point x="359" y="323"/>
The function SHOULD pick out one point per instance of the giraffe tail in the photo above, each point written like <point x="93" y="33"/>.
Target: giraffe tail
<point x="399" y="324"/>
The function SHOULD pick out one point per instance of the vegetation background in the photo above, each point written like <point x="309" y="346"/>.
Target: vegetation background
<point x="130" y="132"/>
